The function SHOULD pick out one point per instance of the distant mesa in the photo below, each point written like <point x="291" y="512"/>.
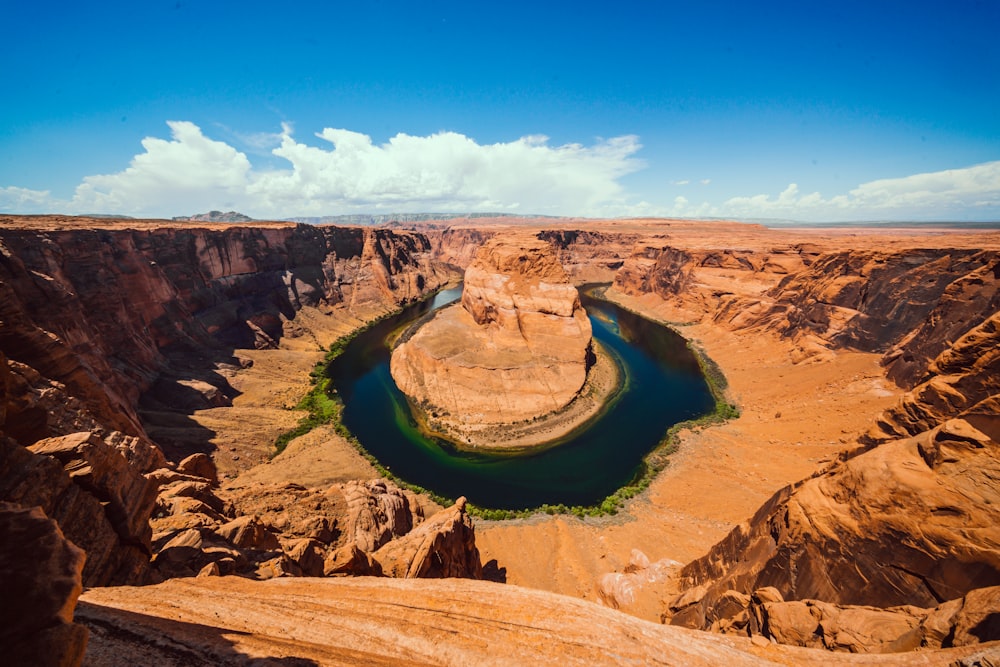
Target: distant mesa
<point x="216" y="216"/>
<point x="513" y="365"/>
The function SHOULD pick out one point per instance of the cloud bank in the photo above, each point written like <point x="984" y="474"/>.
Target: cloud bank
<point x="964" y="194"/>
<point x="347" y="172"/>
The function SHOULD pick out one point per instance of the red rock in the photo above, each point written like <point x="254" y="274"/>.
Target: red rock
<point x="109" y="526"/>
<point x="442" y="546"/>
<point x="199" y="465"/>
<point x="40" y="576"/>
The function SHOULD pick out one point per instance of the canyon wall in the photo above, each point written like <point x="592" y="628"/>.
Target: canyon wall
<point x="97" y="319"/>
<point x="95" y="316"/>
<point x="905" y="517"/>
<point x="587" y="255"/>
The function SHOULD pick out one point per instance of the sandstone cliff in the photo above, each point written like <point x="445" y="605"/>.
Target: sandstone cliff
<point x="904" y="519"/>
<point x="103" y="313"/>
<point x="517" y="348"/>
<point x="97" y="320"/>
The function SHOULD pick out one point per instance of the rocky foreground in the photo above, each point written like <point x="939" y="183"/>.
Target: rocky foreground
<point x="137" y="414"/>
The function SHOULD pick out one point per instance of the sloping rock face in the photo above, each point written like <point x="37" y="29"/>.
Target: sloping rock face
<point x="908" y="305"/>
<point x="40" y="578"/>
<point x="417" y="622"/>
<point x="518" y="347"/>
<point x="100" y="314"/>
<point x="964" y="380"/>
<point x="908" y="518"/>
<point x="911" y="522"/>
<point x="96" y="318"/>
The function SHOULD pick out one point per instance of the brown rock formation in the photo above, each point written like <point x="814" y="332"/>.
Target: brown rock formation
<point x="516" y="349"/>
<point x="377" y="512"/>
<point x="896" y="525"/>
<point x="86" y="501"/>
<point x="40" y="578"/>
<point x="908" y="304"/>
<point x="230" y="620"/>
<point x="357" y="528"/>
<point x="963" y="381"/>
<point x="442" y="546"/>
<point x="101" y="315"/>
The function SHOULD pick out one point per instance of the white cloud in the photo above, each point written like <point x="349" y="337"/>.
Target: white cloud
<point x="347" y="172"/>
<point x="966" y="193"/>
<point x="23" y="200"/>
<point x="185" y="175"/>
<point x="446" y="171"/>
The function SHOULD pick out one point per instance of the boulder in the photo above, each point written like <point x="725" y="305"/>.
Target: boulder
<point x="442" y="546"/>
<point x="350" y="560"/>
<point x="247" y="532"/>
<point x="199" y="465"/>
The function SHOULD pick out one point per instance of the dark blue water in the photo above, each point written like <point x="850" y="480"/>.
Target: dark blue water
<point x="664" y="386"/>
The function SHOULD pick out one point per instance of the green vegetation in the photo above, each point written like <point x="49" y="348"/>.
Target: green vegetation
<point x="324" y="406"/>
<point x="321" y="401"/>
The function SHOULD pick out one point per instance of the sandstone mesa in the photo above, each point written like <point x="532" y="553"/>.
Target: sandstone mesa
<point x="514" y="351"/>
<point x="147" y="367"/>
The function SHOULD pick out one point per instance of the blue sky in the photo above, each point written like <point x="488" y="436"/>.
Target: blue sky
<point x="799" y="110"/>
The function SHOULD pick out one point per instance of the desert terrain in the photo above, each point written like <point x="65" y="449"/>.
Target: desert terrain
<point x="185" y="350"/>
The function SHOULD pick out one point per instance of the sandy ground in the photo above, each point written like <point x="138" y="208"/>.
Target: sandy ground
<point x="795" y="419"/>
<point x="243" y="435"/>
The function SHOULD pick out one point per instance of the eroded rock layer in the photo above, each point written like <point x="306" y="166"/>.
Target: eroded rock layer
<point x="103" y="322"/>
<point x="517" y="348"/>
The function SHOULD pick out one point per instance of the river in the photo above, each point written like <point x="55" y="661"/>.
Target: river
<point x="664" y="386"/>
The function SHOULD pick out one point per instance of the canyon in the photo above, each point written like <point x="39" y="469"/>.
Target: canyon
<point x="149" y="366"/>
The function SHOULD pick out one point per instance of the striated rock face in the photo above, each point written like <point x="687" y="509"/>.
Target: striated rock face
<point x="518" y="346"/>
<point x="40" y="578"/>
<point x="101" y="503"/>
<point x="94" y="318"/>
<point x="417" y="622"/>
<point x="964" y="380"/>
<point x="908" y="304"/>
<point x="911" y="522"/>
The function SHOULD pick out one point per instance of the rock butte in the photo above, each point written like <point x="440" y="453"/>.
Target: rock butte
<point x="146" y="368"/>
<point x="500" y="369"/>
